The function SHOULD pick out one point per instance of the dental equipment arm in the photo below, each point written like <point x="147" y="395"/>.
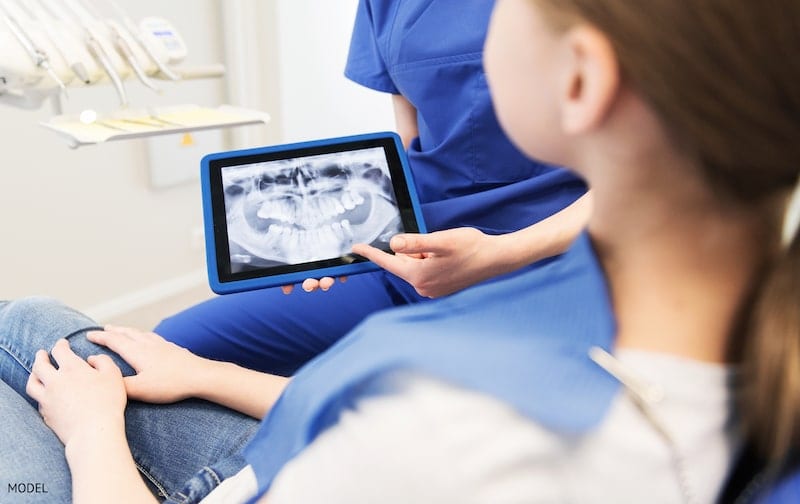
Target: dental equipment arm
<point x="50" y="45"/>
<point x="65" y="40"/>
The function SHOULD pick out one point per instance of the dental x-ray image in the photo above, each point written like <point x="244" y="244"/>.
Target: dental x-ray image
<point x="305" y="209"/>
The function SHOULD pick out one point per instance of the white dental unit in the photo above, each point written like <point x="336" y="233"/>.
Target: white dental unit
<point x="50" y="47"/>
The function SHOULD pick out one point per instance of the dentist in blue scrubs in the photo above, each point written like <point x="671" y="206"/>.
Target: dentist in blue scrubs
<point x="496" y="210"/>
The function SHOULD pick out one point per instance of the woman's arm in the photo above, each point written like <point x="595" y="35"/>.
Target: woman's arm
<point x="250" y="392"/>
<point x="167" y="373"/>
<point x="102" y="465"/>
<point x="443" y="262"/>
<point x="84" y="403"/>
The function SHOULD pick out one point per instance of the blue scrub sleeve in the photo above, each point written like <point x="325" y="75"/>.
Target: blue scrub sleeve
<point x="365" y="62"/>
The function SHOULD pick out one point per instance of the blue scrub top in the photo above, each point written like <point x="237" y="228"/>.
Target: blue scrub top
<point x="466" y="170"/>
<point x="524" y="341"/>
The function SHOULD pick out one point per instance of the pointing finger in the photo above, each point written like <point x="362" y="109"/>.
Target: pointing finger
<point x="418" y="243"/>
<point x="392" y="263"/>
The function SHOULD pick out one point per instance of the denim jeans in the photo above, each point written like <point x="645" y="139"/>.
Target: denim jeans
<point x="183" y="450"/>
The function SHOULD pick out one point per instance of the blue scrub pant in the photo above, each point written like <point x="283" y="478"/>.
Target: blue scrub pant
<point x="277" y="333"/>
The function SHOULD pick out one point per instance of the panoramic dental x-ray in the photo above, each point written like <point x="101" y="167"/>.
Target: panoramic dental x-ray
<point x="311" y="208"/>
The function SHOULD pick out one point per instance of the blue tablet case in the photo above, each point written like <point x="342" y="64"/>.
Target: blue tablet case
<point x="280" y="214"/>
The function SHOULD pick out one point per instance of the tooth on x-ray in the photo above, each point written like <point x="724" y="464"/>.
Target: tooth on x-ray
<point x="308" y="209"/>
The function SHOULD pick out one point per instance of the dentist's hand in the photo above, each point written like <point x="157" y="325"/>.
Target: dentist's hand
<point x="439" y="263"/>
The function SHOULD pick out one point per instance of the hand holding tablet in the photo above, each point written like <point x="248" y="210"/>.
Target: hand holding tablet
<point x="278" y="215"/>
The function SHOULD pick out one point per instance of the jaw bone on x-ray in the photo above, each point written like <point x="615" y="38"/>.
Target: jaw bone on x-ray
<point x="309" y="208"/>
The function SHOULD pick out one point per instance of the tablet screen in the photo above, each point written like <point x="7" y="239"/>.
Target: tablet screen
<point x="285" y="213"/>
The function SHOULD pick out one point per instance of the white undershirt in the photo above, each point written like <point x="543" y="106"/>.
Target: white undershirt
<point x="437" y="443"/>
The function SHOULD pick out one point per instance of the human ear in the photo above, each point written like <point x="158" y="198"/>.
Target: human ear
<point x="590" y="79"/>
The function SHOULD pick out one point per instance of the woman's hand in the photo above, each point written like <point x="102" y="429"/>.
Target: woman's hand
<point x="168" y="373"/>
<point x="165" y="372"/>
<point x="84" y="403"/>
<point x="78" y="397"/>
<point x="439" y="263"/>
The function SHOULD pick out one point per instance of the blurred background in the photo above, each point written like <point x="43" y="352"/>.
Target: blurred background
<point x="115" y="229"/>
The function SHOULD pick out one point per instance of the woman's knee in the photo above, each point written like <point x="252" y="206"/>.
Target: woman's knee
<point x="39" y="321"/>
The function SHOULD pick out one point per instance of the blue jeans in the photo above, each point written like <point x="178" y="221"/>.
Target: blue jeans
<point x="183" y="450"/>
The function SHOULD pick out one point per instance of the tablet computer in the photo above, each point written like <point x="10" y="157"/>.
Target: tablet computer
<point x="280" y="214"/>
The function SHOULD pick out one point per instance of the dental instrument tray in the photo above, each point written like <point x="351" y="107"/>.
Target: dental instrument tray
<point x="88" y="127"/>
<point x="280" y="214"/>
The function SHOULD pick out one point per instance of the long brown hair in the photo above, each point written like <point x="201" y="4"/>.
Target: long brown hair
<point x="724" y="77"/>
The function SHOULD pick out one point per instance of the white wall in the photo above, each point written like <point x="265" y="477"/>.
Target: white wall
<point x="287" y="57"/>
<point x="85" y="226"/>
<point x="316" y="99"/>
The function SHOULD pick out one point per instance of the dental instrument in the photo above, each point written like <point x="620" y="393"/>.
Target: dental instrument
<point x="122" y="44"/>
<point x="64" y="45"/>
<point x="50" y="45"/>
<point x="140" y="38"/>
<point x="127" y="52"/>
<point x="39" y="57"/>
<point x="96" y="49"/>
